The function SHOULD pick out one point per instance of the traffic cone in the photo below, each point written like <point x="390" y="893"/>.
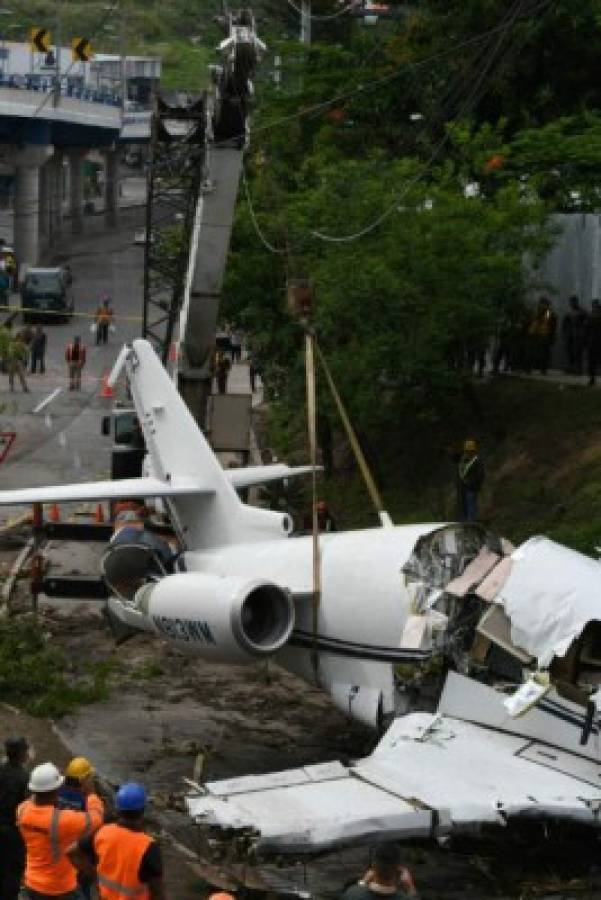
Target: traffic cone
<point x="54" y="513"/>
<point x="173" y="352"/>
<point x="107" y="390"/>
<point x="99" y="514"/>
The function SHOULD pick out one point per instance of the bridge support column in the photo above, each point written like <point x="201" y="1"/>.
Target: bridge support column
<point x="76" y="190"/>
<point x="56" y="192"/>
<point x="110" y="187"/>
<point x="45" y="176"/>
<point x="27" y="203"/>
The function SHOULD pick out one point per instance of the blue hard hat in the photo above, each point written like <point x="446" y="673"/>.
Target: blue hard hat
<point x="131" y="797"/>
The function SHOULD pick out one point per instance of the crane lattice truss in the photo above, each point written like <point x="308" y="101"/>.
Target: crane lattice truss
<point x="177" y="159"/>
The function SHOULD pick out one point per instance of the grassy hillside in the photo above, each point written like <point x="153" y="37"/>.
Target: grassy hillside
<point x="541" y="443"/>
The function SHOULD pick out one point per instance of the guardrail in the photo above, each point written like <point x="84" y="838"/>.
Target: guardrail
<point x="22" y="103"/>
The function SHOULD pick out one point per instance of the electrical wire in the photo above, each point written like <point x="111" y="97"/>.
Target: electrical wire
<point x="485" y="54"/>
<point x="322" y="18"/>
<point x="253" y="218"/>
<point x="308" y="111"/>
<point x="510" y="20"/>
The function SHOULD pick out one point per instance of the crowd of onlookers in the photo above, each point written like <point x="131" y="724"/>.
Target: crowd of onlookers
<point x="526" y="339"/>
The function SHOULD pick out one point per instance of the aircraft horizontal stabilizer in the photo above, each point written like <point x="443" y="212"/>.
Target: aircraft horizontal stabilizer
<point x="104" y="490"/>
<point x="251" y="475"/>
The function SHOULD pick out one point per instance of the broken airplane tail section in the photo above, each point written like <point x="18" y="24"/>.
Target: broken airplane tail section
<point x="183" y="469"/>
<point x="213" y="515"/>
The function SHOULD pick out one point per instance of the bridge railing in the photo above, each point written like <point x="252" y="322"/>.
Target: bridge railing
<point x="47" y="85"/>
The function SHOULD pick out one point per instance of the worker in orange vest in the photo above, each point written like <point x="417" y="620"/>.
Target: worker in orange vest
<point x="125" y="860"/>
<point x="48" y="832"/>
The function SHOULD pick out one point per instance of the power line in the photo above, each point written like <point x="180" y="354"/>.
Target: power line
<point x="254" y="221"/>
<point x="318" y="18"/>
<point x="510" y="20"/>
<point x="385" y="79"/>
<point x="507" y="22"/>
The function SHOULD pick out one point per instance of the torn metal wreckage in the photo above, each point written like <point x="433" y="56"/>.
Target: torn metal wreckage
<point x="515" y="732"/>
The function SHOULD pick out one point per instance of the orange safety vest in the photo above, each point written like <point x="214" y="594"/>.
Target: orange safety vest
<point x="104" y="314"/>
<point x="47" y="832"/>
<point x="120" y="851"/>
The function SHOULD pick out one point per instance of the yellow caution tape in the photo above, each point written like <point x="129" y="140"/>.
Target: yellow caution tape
<point x="312" y="431"/>
<point x="62" y="312"/>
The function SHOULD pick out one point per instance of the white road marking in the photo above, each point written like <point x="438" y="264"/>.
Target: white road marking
<point x="47" y="400"/>
<point x="48" y="420"/>
<point x="62" y="439"/>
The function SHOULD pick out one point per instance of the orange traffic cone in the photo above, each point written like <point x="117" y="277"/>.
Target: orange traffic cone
<point x="54" y="513"/>
<point x="107" y="390"/>
<point x="173" y="352"/>
<point x="99" y="514"/>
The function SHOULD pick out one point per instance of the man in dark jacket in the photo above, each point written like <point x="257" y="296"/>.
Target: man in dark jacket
<point x="593" y="340"/>
<point x="13" y="790"/>
<point x="470" y="477"/>
<point x="38" y="350"/>
<point x="574" y="328"/>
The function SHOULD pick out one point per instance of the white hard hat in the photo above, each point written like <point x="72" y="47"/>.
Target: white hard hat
<point x="45" y="778"/>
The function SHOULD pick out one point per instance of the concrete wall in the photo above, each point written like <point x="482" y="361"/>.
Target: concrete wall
<point x="574" y="264"/>
<point x="572" y="267"/>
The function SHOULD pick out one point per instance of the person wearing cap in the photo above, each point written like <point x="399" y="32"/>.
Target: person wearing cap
<point x="470" y="477"/>
<point x="73" y="794"/>
<point x="78" y="784"/>
<point x="104" y="318"/>
<point x="13" y="790"/>
<point x="121" y="856"/>
<point x="387" y="877"/>
<point x="48" y="831"/>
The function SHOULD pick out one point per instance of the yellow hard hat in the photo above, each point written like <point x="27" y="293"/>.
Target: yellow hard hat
<point x="470" y="446"/>
<point x="79" y="768"/>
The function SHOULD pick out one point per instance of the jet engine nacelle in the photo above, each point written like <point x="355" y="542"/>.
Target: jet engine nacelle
<point x="221" y="619"/>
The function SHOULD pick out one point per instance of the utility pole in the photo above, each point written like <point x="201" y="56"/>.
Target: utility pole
<point x="57" y="83"/>
<point x="305" y="34"/>
<point x="122" y="50"/>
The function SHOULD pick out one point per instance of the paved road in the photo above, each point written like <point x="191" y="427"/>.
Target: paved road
<point x="62" y="441"/>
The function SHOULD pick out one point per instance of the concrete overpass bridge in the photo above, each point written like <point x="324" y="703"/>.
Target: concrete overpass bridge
<point x="43" y="142"/>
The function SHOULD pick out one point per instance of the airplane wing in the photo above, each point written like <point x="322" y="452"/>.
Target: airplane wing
<point x="104" y="490"/>
<point x="430" y="775"/>
<point x="251" y="475"/>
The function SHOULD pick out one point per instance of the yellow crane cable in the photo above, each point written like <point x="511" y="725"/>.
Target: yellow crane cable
<point x="372" y="489"/>
<point x="312" y="434"/>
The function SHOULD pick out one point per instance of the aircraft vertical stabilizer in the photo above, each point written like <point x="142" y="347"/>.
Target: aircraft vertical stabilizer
<point x="178" y="449"/>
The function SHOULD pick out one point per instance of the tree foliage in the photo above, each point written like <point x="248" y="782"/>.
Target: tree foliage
<point x="463" y="128"/>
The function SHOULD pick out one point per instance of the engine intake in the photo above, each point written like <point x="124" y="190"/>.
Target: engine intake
<point x="223" y="619"/>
